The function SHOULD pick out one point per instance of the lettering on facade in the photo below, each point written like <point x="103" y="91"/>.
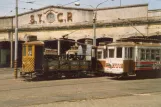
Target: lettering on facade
<point x="32" y="19"/>
<point x="40" y="18"/>
<point x="60" y="17"/>
<point x="51" y="17"/>
<point x="69" y="16"/>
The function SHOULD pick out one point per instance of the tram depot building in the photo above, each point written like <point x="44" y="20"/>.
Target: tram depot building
<point x="55" y="22"/>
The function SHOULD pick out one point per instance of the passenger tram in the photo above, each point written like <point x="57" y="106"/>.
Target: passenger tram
<point x="129" y="59"/>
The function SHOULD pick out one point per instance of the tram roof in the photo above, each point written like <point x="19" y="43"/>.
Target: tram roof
<point x="134" y="44"/>
<point x="34" y="43"/>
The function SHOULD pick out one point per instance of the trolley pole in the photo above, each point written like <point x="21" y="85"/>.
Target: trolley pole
<point x="94" y="34"/>
<point x="16" y="42"/>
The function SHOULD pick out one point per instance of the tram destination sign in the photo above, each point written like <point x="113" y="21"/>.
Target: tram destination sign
<point x="50" y="52"/>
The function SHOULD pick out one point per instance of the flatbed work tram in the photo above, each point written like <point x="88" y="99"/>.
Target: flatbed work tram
<point x="43" y="61"/>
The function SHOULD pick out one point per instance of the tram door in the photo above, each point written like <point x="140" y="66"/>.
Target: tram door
<point x="101" y="59"/>
<point x="128" y="62"/>
<point x="39" y="57"/>
<point x="28" y="58"/>
<point x="32" y="58"/>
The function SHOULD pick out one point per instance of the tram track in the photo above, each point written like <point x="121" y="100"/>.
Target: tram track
<point x="76" y="90"/>
<point x="92" y="98"/>
<point x="51" y="85"/>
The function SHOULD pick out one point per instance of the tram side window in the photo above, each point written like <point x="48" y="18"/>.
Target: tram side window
<point x="142" y="54"/>
<point x="157" y="55"/>
<point x="119" y="52"/>
<point x="111" y="53"/>
<point x="24" y="50"/>
<point x="152" y="54"/>
<point x="29" y="50"/>
<point x="148" y="54"/>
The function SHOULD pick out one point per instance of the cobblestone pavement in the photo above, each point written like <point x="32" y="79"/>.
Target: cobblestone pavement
<point x="83" y="92"/>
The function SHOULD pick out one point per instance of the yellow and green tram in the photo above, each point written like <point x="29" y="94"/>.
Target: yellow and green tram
<point x="42" y="61"/>
<point x="32" y="56"/>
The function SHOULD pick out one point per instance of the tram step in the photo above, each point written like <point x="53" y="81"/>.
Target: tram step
<point x="131" y="74"/>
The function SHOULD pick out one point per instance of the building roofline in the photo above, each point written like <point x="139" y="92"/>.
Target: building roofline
<point x="125" y="6"/>
<point x="74" y="8"/>
<point x="52" y="6"/>
<point x="155" y="10"/>
<point x="3" y="17"/>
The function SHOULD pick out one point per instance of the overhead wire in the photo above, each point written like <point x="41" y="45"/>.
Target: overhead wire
<point x="13" y="8"/>
<point x="8" y="13"/>
<point x="31" y="2"/>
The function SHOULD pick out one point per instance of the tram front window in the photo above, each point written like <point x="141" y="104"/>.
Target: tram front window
<point x="29" y="50"/>
<point x="24" y="50"/>
<point x="119" y="52"/>
<point x="157" y="55"/>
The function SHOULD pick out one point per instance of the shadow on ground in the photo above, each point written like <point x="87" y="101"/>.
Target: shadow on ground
<point x="135" y="78"/>
<point x="41" y="78"/>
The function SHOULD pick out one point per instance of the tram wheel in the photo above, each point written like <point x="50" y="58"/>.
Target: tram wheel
<point x="68" y="75"/>
<point x="99" y="74"/>
<point x="122" y="76"/>
<point x="22" y="74"/>
<point x="158" y="74"/>
<point x="140" y="75"/>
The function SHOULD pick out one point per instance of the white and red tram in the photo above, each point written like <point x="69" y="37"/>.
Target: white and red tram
<point x="129" y="58"/>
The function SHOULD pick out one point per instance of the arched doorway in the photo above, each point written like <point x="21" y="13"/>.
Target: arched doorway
<point x="86" y="41"/>
<point x="151" y="39"/>
<point x="103" y="40"/>
<point x="4" y="54"/>
<point x="65" y="44"/>
<point x="157" y="37"/>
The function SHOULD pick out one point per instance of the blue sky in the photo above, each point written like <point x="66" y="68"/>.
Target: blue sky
<point x="7" y="7"/>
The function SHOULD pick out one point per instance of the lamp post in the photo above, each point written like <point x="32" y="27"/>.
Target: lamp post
<point x="120" y="2"/>
<point x="16" y="42"/>
<point x="94" y="66"/>
<point x="94" y="19"/>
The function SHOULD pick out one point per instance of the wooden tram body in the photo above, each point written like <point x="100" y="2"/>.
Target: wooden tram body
<point x="129" y="58"/>
<point x="32" y="56"/>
